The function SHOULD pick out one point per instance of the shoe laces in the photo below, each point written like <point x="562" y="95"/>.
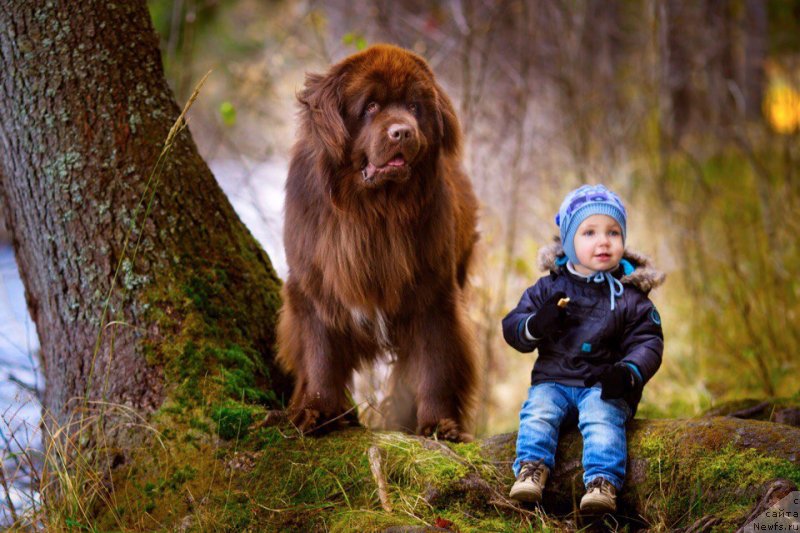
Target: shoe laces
<point x="604" y="486"/>
<point x="532" y="470"/>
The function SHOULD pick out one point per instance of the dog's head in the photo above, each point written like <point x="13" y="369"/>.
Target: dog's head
<point x="377" y="115"/>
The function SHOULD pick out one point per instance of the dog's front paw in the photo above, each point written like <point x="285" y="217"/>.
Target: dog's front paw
<point x="304" y="418"/>
<point x="310" y="419"/>
<point x="444" y="429"/>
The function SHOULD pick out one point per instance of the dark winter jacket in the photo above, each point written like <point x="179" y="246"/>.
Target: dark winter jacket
<point x="630" y="333"/>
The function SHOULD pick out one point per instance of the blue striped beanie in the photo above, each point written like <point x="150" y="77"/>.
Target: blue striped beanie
<point x="582" y="203"/>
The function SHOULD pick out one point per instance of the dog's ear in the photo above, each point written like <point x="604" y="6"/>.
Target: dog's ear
<point x="321" y="111"/>
<point x="447" y="121"/>
<point x="446" y="118"/>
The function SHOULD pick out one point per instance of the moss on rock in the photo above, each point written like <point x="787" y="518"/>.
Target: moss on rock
<point x="269" y="478"/>
<point x="272" y="479"/>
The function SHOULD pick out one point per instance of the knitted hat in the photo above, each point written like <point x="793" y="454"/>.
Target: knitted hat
<point x="582" y="203"/>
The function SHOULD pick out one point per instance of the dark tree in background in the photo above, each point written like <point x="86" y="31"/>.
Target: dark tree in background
<point x="140" y="282"/>
<point x="714" y="54"/>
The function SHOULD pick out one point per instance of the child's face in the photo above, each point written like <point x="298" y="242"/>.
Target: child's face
<point x="598" y="244"/>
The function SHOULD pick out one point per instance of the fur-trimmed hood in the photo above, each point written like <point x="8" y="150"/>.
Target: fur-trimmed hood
<point x="645" y="276"/>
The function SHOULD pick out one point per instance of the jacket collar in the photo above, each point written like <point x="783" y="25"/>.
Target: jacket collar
<point x="645" y="276"/>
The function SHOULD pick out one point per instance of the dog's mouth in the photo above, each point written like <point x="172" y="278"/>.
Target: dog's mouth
<point x="374" y="174"/>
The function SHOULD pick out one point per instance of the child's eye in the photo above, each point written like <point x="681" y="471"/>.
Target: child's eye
<point x="614" y="233"/>
<point x="588" y="233"/>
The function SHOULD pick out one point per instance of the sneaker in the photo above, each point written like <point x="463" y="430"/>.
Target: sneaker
<point x="600" y="497"/>
<point x="530" y="482"/>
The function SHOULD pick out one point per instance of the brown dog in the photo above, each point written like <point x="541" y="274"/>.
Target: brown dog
<point x="379" y="231"/>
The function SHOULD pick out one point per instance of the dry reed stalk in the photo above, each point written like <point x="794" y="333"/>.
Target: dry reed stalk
<point x="375" y="467"/>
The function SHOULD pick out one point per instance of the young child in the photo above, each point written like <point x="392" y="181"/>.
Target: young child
<point x="596" y="350"/>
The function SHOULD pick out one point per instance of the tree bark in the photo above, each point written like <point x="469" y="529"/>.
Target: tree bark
<point x="130" y="274"/>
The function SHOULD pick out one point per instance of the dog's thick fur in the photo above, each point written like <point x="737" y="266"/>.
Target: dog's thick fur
<point x="379" y="231"/>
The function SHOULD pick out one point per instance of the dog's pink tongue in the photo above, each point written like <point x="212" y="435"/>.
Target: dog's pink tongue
<point x="397" y="161"/>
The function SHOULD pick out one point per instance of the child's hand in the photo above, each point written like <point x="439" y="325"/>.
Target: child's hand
<point x="549" y="318"/>
<point x="616" y="380"/>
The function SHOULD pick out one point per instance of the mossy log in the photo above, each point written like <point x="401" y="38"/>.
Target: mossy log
<point x="781" y="410"/>
<point x="680" y="470"/>
<point x="707" y="471"/>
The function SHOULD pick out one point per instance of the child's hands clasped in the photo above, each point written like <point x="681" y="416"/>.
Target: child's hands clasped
<point x="550" y="318"/>
<point x="616" y="380"/>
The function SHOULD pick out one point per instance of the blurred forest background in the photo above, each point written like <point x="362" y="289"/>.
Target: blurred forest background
<point x="689" y="110"/>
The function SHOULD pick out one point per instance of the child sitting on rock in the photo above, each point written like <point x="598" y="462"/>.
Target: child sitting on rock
<point x="599" y="340"/>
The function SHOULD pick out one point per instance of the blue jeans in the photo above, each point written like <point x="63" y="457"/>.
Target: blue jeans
<point x="601" y="423"/>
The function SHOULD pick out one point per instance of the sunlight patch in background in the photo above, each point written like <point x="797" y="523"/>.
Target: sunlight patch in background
<point x="781" y="100"/>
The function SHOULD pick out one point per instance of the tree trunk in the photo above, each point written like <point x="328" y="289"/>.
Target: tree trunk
<point x="143" y="284"/>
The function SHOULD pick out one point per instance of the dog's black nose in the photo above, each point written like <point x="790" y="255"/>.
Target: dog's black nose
<point x="400" y="132"/>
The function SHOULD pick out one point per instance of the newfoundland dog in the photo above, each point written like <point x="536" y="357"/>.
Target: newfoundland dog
<point x="379" y="231"/>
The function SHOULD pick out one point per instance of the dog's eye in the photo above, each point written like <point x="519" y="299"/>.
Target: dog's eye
<point x="372" y="108"/>
<point x="414" y="108"/>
